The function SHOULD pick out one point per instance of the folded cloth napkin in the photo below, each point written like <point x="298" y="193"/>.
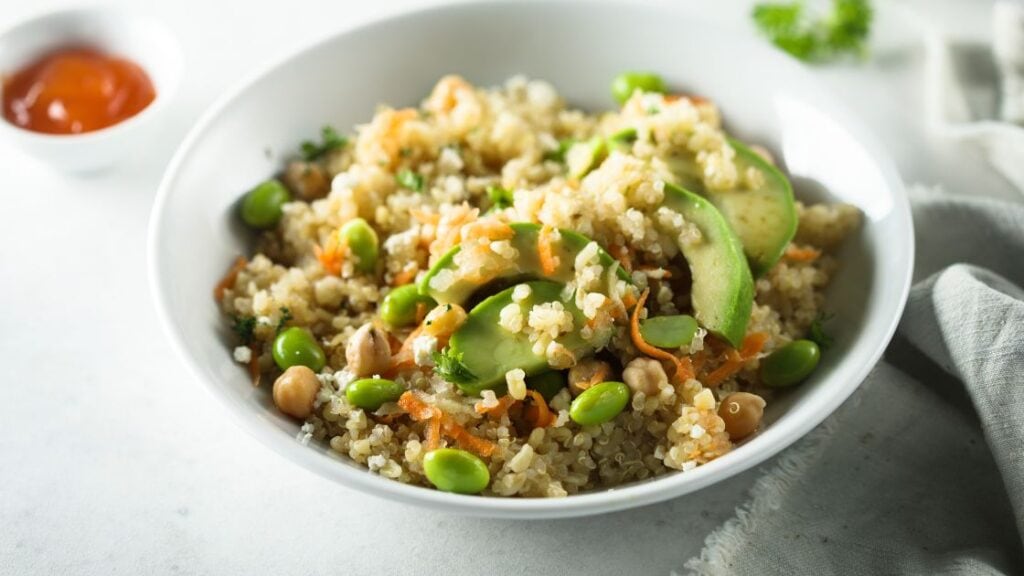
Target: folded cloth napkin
<point x="922" y="470"/>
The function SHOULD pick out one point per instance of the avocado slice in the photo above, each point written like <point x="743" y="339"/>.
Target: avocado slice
<point x="527" y="266"/>
<point x="486" y="350"/>
<point x="764" y="218"/>
<point x="722" y="292"/>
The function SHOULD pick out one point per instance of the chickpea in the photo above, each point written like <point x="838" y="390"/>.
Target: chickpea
<point x="295" y="391"/>
<point x="645" y="375"/>
<point x="742" y="413"/>
<point x="368" y="351"/>
<point x="586" y="373"/>
<point x="307" y="180"/>
<point x="443" y="320"/>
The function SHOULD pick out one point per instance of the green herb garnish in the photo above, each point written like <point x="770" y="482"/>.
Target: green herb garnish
<point x="409" y="179"/>
<point x="449" y="366"/>
<point x="558" y="154"/>
<point x="286" y="316"/>
<point x="815" y="37"/>
<point x="329" y="140"/>
<point x="816" y="333"/>
<point x="244" y="326"/>
<point x="500" y="197"/>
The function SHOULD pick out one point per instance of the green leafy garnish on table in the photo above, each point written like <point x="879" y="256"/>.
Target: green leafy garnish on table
<point x="792" y="27"/>
<point x="329" y="140"/>
<point x="448" y="365"/>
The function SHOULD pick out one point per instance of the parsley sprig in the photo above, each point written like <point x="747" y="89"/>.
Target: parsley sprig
<point x="329" y="140"/>
<point x="815" y="38"/>
<point x="448" y="365"/>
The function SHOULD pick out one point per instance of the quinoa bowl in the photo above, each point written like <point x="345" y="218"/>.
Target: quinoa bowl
<point x="491" y="165"/>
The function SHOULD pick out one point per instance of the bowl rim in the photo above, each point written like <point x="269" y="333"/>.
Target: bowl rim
<point x="126" y="15"/>
<point x="605" y="500"/>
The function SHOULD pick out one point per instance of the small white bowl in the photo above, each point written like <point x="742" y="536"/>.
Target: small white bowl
<point x="141" y="39"/>
<point x="765" y="98"/>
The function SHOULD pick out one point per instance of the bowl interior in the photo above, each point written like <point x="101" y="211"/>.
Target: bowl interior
<point x="764" y="98"/>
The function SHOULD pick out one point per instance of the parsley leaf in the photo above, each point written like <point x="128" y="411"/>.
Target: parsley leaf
<point x="330" y="140"/>
<point x="558" y="154"/>
<point x="244" y="326"/>
<point x="816" y="333"/>
<point x="500" y="197"/>
<point x="409" y="179"/>
<point x="286" y="316"/>
<point x="815" y="38"/>
<point x="449" y="366"/>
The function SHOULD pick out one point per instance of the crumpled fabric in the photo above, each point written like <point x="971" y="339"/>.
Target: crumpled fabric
<point x="922" y="470"/>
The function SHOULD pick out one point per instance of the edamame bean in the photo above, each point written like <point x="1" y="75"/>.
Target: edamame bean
<point x="297" y="347"/>
<point x="454" y="470"/>
<point x="362" y="243"/>
<point x="261" y="207"/>
<point x="370" y="393"/>
<point x="626" y="83"/>
<point x="599" y="403"/>
<point x="669" y="331"/>
<point x="547" y="383"/>
<point x="399" y="306"/>
<point x="790" y="364"/>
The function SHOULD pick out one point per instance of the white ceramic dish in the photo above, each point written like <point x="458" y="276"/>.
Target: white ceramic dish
<point x="139" y="38"/>
<point x="765" y="98"/>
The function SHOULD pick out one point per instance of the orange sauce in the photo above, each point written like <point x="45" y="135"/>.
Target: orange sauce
<point x="74" y="90"/>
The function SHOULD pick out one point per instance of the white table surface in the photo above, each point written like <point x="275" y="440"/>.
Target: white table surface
<point x="113" y="462"/>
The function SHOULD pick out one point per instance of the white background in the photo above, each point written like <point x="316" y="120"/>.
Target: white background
<point x="113" y="462"/>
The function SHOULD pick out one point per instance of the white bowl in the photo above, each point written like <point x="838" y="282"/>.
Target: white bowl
<point x="765" y="98"/>
<point x="144" y="40"/>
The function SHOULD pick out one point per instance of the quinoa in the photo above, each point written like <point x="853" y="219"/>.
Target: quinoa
<point x="462" y="141"/>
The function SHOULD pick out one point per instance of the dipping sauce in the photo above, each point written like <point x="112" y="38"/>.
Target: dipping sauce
<point x="74" y="90"/>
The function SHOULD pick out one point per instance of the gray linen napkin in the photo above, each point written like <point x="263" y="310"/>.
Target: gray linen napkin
<point x="922" y="470"/>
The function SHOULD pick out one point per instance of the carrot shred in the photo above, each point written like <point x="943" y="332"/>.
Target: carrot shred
<point x="421" y="312"/>
<point x="684" y="368"/>
<point x="438" y="423"/>
<point x="546" y="251"/>
<point x="735" y="359"/>
<point x="424" y="217"/>
<point x="798" y="254"/>
<point x="621" y="253"/>
<point x="331" y="255"/>
<point x="495" y="411"/>
<point x="404" y="277"/>
<point x="254" y="365"/>
<point x="538" y="414"/>
<point x="229" y="279"/>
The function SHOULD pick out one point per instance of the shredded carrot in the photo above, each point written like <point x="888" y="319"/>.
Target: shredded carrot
<point x="405" y="352"/>
<point x="489" y="228"/>
<point x="229" y="279"/>
<point x="735" y="359"/>
<point x="798" y="254"/>
<point x="538" y="414"/>
<point x="546" y="251"/>
<point x="404" y="277"/>
<point x="464" y="439"/>
<point x="415" y="407"/>
<point x="421" y="312"/>
<point x="621" y="253"/>
<point x="629" y="300"/>
<point x="254" y="365"/>
<point x="432" y="433"/>
<point x="437" y="423"/>
<point x="331" y="255"/>
<point x="697" y="100"/>
<point x="684" y="368"/>
<point x="425" y="217"/>
<point x="495" y="411"/>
